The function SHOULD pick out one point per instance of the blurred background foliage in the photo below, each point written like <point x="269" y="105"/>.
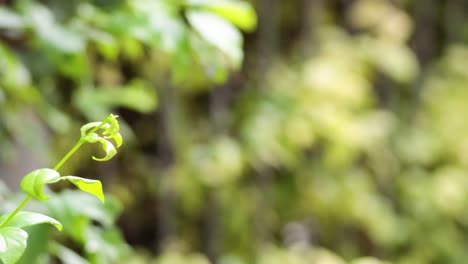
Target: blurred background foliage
<point x="262" y="131"/>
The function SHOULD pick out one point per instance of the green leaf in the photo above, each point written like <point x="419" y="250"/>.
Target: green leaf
<point x="106" y="146"/>
<point x="219" y="33"/>
<point x="12" y="244"/>
<point x="239" y="13"/>
<point x="51" y="33"/>
<point x="24" y="219"/>
<point x="93" y="187"/>
<point x="33" y="183"/>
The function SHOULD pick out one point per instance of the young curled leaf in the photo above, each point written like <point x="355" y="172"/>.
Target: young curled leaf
<point x="33" y="183"/>
<point x="108" y="148"/>
<point x="114" y="124"/>
<point x="84" y="129"/>
<point x="25" y="219"/>
<point x="110" y="128"/>
<point x="117" y="139"/>
<point x="13" y="242"/>
<point x="112" y="131"/>
<point x="93" y="187"/>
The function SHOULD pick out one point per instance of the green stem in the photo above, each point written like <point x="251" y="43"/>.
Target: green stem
<point x="59" y="164"/>
<point x="22" y="204"/>
<point x="77" y="146"/>
<point x="68" y="155"/>
<point x="56" y="168"/>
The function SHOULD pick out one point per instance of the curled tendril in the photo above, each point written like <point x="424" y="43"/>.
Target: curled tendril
<point x="110" y="130"/>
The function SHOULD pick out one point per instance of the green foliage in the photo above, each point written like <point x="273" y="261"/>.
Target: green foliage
<point x="72" y="62"/>
<point x="25" y="219"/>
<point x="13" y="243"/>
<point x="12" y="236"/>
<point x="93" y="187"/>
<point x="241" y="14"/>
<point x="342" y="140"/>
<point x="33" y="183"/>
<point x="13" y="239"/>
<point x="83" y="49"/>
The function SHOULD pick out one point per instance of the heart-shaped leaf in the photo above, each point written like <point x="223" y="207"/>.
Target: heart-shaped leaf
<point x="24" y="219"/>
<point x="33" y="183"/>
<point x="12" y="244"/>
<point x="106" y="146"/>
<point x="93" y="187"/>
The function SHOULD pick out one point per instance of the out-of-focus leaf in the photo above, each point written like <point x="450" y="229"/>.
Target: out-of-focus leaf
<point x="10" y="20"/>
<point x="395" y="60"/>
<point x="219" y="33"/>
<point x="15" y="74"/>
<point x="105" y="246"/>
<point x="368" y="260"/>
<point x="383" y="19"/>
<point x="240" y="13"/>
<point x="67" y="207"/>
<point x="178" y="257"/>
<point x="12" y="244"/>
<point x="66" y="255"/>
<point x="51" y="33"/>
<point x="56" y="119"/>
<point x="97" y="102"/>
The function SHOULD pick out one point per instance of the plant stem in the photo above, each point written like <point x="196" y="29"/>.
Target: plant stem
<point x="68" y="155"/>
<point x="22" y="204"/>
<point x="58" y="166"/>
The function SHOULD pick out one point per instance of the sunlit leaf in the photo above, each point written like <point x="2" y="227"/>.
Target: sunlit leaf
<point x="12" y="244"/>
<point x="240" y="13"/>
<point x="52" y="33"/>
<point x="25" y="219"/>
<point x="93" y="187"/>
<point x="33" y="183"/>
<point x="219" y="33"/>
